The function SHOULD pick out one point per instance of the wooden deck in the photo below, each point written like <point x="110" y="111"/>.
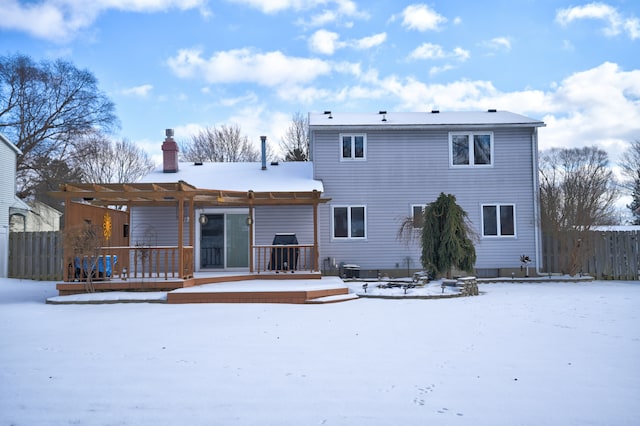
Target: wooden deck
<point x="329" y="289"/>
<point x="299" y="287"/>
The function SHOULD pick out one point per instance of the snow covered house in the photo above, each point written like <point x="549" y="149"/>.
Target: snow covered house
<point x="380" y="168"/>
<point x="9" y="203"/>
<point x="368" y="173"/>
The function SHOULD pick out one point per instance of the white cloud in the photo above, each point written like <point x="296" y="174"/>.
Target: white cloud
<point x="427" y="51"/>
<point x="333" y="10"/>
<point x="371" y="41"/>
<point x="61" y="20"/>
<point x="435" y="51"/>
<point x="497" y="43"/>
<point x="142" y="90"/>
<point x="439" y="69"/>
<point x="245" y="66"/>
<point x="615" y="22"/>
<point x="430" y="51"/>
<point x="274" y="6"/>
<point x="327" y="42"/>
<point x="249" y="98"/>
<point x="422" y="18"/>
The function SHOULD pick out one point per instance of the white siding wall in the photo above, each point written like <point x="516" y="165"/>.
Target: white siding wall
<point x="7" y="181"/>
<point x="404" y="168"/>
<point x="7" y="197"/>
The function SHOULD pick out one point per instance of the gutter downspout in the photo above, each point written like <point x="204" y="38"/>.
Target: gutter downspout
<point x="536" y="198"/>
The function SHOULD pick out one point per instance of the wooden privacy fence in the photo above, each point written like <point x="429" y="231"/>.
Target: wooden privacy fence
<point x="35" y="255"/>
<point x="608" y="255"/>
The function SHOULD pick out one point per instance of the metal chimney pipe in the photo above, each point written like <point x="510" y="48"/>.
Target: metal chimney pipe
<point x="263" y="139"/>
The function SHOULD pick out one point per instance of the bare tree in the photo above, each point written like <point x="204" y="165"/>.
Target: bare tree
<point x="630" y="165"/>
<point x="577" y="191"/>
<point x="295" y="143"/>
<point x="102" y="160"/>
<point x="45" y="106"/>
<point x="220" y="144"/>
<point x="81" y="245"/>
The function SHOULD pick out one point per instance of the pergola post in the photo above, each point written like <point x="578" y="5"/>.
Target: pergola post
<point x="316" y="255"/>
<point x="181" y="236"/>
<point x="250" y="196"/>
<point x="67" y="226"/>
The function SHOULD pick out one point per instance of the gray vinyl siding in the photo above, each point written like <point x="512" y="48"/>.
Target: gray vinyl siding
<point x="151" y="226"/>
<point x="158" y="225"/>
<point x="271" y="220"/>
<point x="407" y="167"/>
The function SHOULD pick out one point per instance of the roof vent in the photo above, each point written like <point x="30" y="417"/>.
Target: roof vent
<point x="328" y="113"/>
<point x="435" y="111"/>
<point x="274" y="163"/>
<point x="492" y="110"/>
<point x="197" y="163"/>
<point x="384" y="115"/>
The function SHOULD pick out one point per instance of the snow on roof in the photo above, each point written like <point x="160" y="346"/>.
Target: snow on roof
<point x="452" y="118"/>
<point x="285" y="177"/>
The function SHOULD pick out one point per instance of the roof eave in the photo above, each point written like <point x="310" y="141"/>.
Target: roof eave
<point x="385" y="126"/>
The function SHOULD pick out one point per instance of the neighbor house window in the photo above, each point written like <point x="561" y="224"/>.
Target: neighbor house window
<point x="353" y="147"/>
<point x="471" y="148"/>
<point x="498" y="220"/>
<point x="417" y="215"/>
<point x="349" y="222"/>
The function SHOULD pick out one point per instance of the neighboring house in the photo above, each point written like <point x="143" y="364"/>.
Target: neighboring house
<point x="9" y="203"/>
<point x="40" y="217"/>
<point x="378" y="169"/>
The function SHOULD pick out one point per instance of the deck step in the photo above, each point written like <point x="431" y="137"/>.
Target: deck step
<point x="333" y="299"/>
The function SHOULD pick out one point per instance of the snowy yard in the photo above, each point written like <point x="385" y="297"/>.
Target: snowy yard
<point x="519" y="354"/>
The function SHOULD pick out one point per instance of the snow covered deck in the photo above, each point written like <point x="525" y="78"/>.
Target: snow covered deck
<point x="224" y="287"/>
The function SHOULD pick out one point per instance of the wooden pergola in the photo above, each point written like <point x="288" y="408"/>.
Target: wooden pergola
<point x="181" y="194"/>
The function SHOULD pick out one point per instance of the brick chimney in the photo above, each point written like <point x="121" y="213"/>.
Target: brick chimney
<point x="169" y="153"/>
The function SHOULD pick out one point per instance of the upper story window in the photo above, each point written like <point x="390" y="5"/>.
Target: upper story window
<point x="498" y="220"/>
<point x="349" y="222"/>
<point x="471" y="148"/>
<point x="353" y="147"/>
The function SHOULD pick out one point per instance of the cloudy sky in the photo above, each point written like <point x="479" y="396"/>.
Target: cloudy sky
<point x="195" y="63"/>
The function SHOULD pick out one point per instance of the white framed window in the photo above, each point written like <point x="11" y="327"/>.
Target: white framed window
<point x="467" y="149"/>
<point x="349" y="222"/>
<point x="417" y="215"/>
<point x="353" y="147"/>
<point x="498" y="220"/>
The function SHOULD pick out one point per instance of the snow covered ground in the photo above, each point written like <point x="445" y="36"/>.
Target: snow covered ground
<point x="519" y="354"/>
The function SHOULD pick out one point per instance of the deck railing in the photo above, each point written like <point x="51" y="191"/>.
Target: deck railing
<point x="135" y="262"/>
<point x="284" y="258"/>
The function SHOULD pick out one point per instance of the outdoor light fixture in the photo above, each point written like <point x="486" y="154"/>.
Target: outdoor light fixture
<point x="203" y="219"/>
<point x="249" y="221"/>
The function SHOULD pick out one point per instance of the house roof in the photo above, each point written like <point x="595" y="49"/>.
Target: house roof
<point x="229" y="184"/>
<point x="285" y="177"/>
<point x="6" y="141"/>
<point x="412" y="119"/>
